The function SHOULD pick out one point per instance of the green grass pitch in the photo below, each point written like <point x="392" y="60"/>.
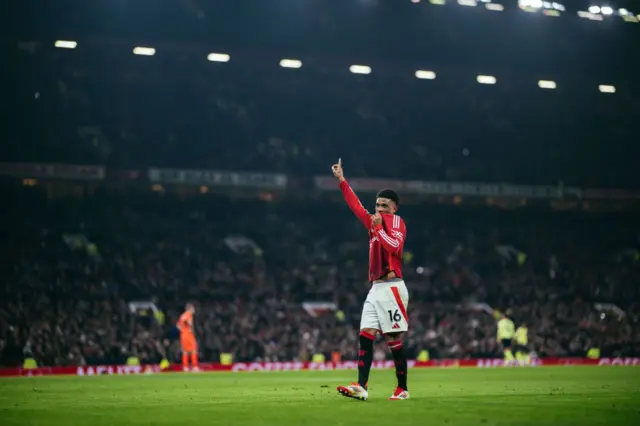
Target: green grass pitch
<point x="499" y="396"/>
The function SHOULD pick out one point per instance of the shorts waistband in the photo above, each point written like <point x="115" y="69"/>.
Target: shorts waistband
<point x="392" y="280"/>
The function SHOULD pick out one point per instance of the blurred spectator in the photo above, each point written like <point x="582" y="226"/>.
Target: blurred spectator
<point x="65" y="306"/>
<point x="102" y="105"/>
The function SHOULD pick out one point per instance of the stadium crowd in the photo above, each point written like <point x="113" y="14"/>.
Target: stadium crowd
<point x="71" y="266"/>
<point x="67" y="305"/>
<point x="107" y="106"/>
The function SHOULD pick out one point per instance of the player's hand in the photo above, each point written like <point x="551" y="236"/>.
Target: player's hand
<point x="337" y="170"/>
<point x="376" y="219"/>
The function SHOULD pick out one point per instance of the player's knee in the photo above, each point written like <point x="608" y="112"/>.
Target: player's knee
<point x="393" y="337"/>
<point x="372" y="331"/>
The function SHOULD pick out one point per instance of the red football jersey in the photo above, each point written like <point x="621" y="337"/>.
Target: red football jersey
<point x="386" y="241"/>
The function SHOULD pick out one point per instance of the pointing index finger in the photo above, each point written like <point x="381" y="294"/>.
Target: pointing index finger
<point x="340" y="162"/>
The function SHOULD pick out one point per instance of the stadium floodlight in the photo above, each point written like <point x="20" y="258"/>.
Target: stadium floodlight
<point x="606" y="10"/>
<point x="144" y="51"/>
<point x="494" y="7"/>
<point x="290" y="63"/>
<point x="486" y="79"/>
<point x="558" y="6"/>
<point x="590" y="16"/>
<point x="628" y="16"/>
<point x="360" y="69"/>
<point x="415" y="1"/>
<point x="534" y="4"/>
<point x="437" y="2"/>
<point x="218" y="57"/>
<point x="425" y="75"/>
<point x="65" y="44"/>
<point x="547" y="84"/>
<point x="606" y="88"/>
<point x="468" y="3"/>
<point x="594" y="9"/>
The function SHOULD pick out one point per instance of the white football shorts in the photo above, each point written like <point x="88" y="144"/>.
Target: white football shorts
<point x="386" y="307"/>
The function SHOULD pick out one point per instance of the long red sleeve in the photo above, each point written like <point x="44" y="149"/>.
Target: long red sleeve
<point x="355" y="205"/>
<point x="393" y="241"/>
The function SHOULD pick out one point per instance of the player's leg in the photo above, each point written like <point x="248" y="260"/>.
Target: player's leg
<point x="365" y="355"/>
<point x="187" y="346"/>
<point x="194" y="360"/>
<point x="193" y="354"/>
<point x="508" y="354"/>
<point x="519" y="357"/>
<point x="522" y="355"/>
<point x="392" y="309"/>
<point x="395" y="344"/>
<point x="369" y="326"/>
<point x="185" y="360"/>
<point x="526" y="357"/>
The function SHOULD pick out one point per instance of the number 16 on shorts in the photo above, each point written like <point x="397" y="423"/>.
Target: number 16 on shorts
<point x="386" y="307"/>
<point x="394" y="316"/>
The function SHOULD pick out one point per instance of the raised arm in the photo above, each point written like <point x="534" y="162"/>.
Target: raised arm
<point x="350" y="197"/>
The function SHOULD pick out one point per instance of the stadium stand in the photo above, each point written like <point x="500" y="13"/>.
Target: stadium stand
<point x="69" y="306"/>
<point x="84" y="242"/>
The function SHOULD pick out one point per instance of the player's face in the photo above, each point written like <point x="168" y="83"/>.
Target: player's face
<point x="385" y="205"/>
